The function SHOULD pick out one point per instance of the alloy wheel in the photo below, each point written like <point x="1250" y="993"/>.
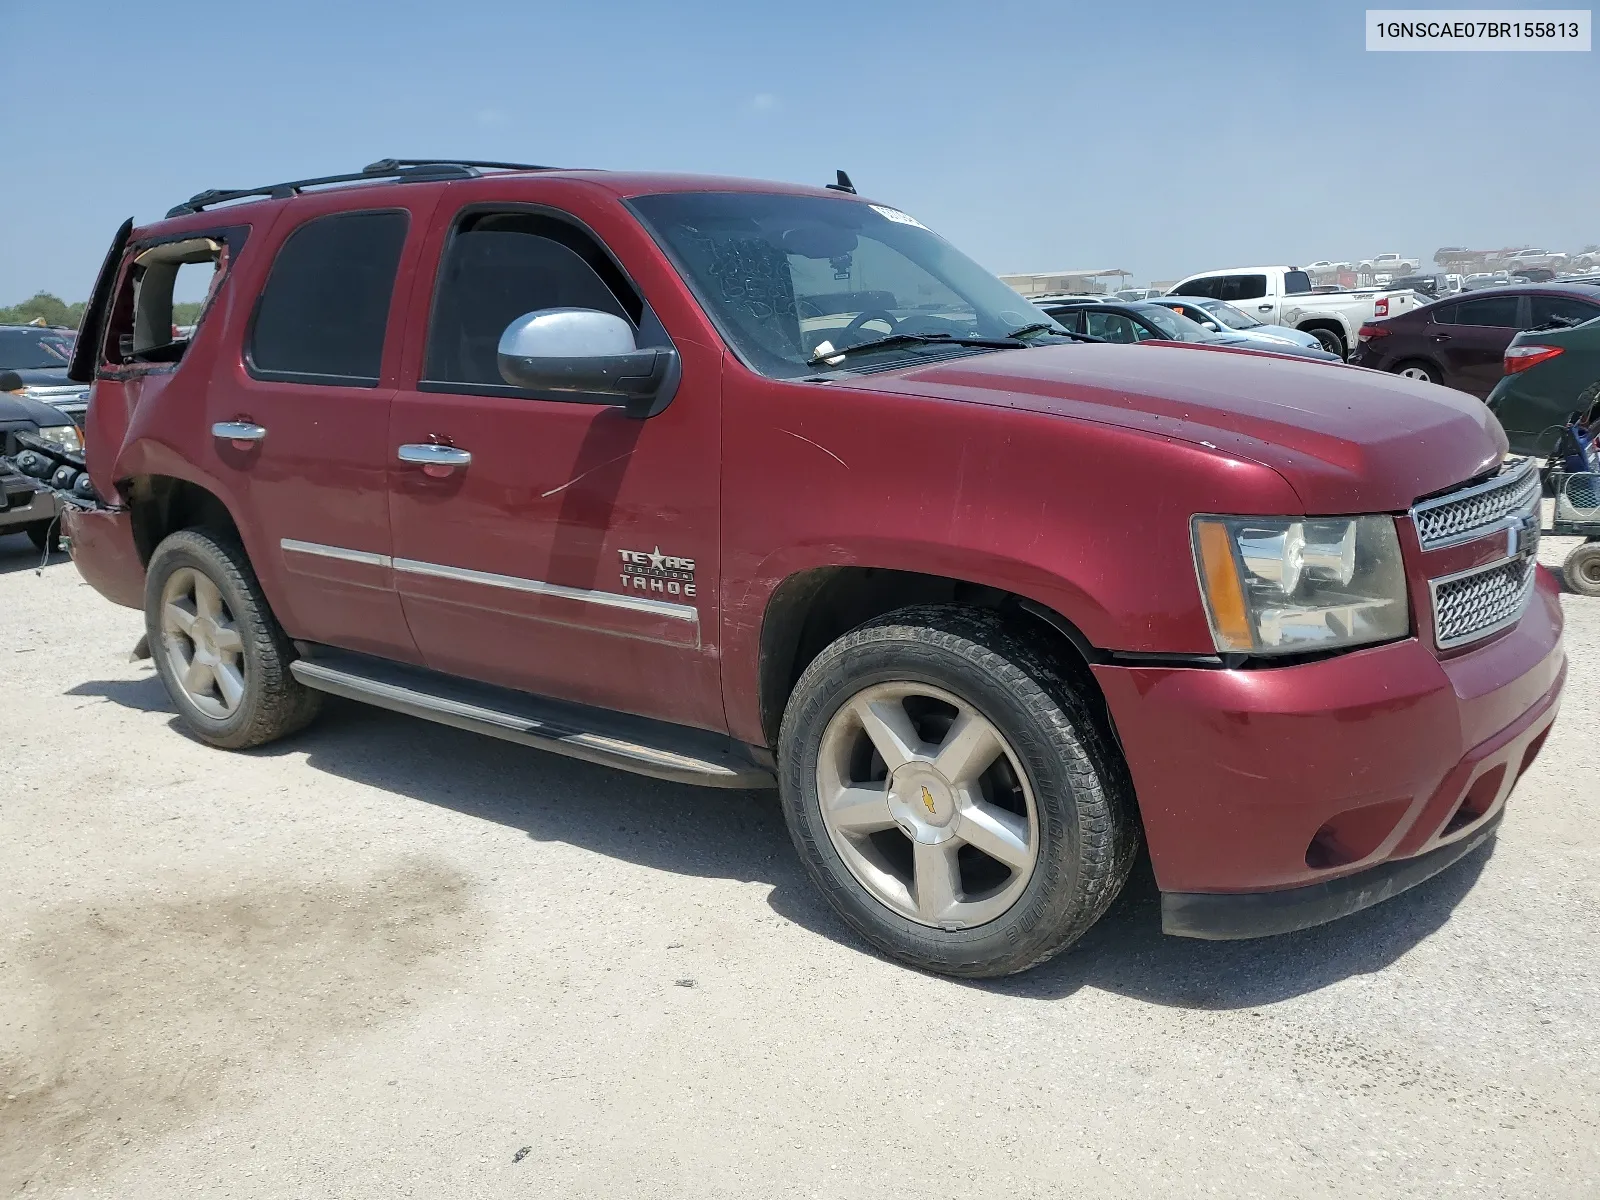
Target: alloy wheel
<point x="202" y="643"/>
<point x="927" y="805"/>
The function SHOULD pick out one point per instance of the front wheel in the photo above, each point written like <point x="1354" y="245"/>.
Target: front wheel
<point x="218" y="649"/>
<point x="958" y="804"/>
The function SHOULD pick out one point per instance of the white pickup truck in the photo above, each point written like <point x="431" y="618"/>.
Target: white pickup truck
<point x="1283" y="296"/>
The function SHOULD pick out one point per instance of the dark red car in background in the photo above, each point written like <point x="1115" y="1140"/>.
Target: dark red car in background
<point x="1461" y="342"/>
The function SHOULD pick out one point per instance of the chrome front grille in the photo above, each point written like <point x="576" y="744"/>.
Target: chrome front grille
<point x="1504" y="513"/>
<point x="1472" y="512"/>
<point x="1476" y="603"/>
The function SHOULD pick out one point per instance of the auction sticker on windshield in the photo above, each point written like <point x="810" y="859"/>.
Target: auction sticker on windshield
<point x="894" y="214"/>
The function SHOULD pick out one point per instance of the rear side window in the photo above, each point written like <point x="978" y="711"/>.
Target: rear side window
<point x="1240" y="287"/>
<point x="500" y="266"/>
<point x="160" y="299"/>
<point x="1445" y="314"/>
<point x="1496" y="311"/>
<point x="322" y="315"/>
<point x="1295" y="282"/>
<point x="1560" y="311"/>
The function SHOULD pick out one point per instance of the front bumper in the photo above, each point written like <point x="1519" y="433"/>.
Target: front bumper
<point x="1323" y="779"/>
<point x="26" y="505"/>
<point x="1220" y="916"/>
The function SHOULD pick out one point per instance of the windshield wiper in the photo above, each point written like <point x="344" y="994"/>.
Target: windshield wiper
<point x="915" y="339"/>
<point x="1046" y="327"/>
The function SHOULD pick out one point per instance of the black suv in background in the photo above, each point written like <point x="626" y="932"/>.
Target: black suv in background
<point x="39" y="355"/>
<point x="1461" y="342"/>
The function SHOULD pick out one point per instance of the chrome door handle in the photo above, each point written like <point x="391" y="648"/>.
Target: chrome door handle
<point x="430" y="454"/>
<point x="238" y="431"/>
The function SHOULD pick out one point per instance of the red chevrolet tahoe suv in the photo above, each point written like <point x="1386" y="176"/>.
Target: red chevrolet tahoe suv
<point x="737" y="483"/>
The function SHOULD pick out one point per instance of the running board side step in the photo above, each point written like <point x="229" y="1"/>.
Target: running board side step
<point x="637" y="744"/>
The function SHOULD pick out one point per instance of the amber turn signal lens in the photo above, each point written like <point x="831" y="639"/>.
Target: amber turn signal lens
<point x="1219" y="579"/>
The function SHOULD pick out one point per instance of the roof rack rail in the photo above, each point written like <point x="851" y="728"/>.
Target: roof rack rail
<point x="406" y="170"/>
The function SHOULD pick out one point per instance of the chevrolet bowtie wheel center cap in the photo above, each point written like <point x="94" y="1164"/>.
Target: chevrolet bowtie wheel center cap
<point x="923" y="804"/>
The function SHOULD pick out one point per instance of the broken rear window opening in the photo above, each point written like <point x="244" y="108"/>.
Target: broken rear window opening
<point x="162" y="298"/>
<point x="780" y="275"/>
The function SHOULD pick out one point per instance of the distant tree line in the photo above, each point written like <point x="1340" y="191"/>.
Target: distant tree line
<point x="56" y="311"/>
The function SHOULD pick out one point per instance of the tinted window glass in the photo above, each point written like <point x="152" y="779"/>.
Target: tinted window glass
<point x="1114" y="327"/>
<point x="1497" y="311"/>
<point x="1295" y="282"/>
<point x="1241" y="287"/>
<point x="323" y="312"/>
<point x="1445" y="314"/>
<point x="1547" y="310"/>
<point x="503" y="267"/>
<point x="1200" y="287"/>
<point x="1067" y="318"/>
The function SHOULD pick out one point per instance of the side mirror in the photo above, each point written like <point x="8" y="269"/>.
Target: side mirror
<point x="587" y="357"/>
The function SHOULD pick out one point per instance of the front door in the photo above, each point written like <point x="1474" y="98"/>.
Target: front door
<point x="572" y="551"/>
<point x="300" y="424"/>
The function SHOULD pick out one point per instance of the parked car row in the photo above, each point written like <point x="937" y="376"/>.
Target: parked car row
<point x="1283" y="295"/>
<point x="1464" y="342"/>
<point x="1179" y="319"/>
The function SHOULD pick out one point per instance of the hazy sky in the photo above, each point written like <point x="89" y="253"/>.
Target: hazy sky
<point x="1161" y="137"/>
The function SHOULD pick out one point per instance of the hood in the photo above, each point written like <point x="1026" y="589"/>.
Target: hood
<point x="22" y="410"/>
<point x="44" y="376"/>
<point x="1346" y="439"/>
<point x="1283" y="332"/>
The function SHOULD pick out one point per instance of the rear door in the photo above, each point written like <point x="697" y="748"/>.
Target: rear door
<point x="1471" y="339"/>
<point x="300" y="420"/>
<point x="574" y="552"/>
<point x="1557" y="311"/>
<point x="1249" y="292"/>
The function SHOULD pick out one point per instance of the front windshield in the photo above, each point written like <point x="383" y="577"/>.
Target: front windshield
<point x="1226" y="314"/>
<point x="780" y="275"/>
<point x="1174" y="325"/>
<point x="34" y="349"/>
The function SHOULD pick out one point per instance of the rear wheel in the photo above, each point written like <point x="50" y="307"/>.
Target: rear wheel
<point x="219" y="650"/>
<point x="1329" y="340"/>
<point x="1418" y="370"/>
<point x="957" y="803"/>
<point x="1582" y="569"/>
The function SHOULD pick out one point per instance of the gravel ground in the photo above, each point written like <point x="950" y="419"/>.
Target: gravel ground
<point x="389" y="958"/>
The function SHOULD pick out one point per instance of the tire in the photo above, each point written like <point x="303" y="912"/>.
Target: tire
<point x="1056" y="763"/>
<point x="1414" y="368"/>
<point x="1330" y="341"/>
<point x="207" y="578"/>
<point x="1582" y="569"/>
<point x="45" y="535"/>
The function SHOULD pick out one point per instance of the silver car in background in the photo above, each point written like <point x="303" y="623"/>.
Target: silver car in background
<point x="1221" y="317"/>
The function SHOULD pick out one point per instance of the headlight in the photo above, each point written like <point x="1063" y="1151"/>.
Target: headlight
<point x="1282" y="585"/>
<point x="62" y="437"/>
